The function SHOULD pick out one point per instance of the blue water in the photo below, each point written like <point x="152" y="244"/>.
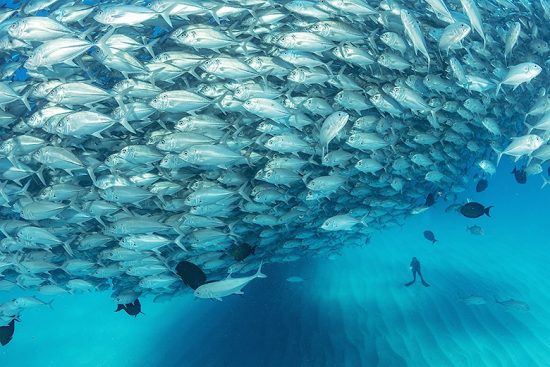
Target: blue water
<point x="350" y="311"/>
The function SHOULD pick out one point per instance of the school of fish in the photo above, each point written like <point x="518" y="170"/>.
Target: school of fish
<point x="136" y="135"/>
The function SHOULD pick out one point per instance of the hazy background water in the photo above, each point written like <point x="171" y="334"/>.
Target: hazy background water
<point x="351" y="311"/>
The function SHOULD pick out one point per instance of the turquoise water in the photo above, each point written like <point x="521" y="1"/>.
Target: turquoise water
<point x="350" y="311"/>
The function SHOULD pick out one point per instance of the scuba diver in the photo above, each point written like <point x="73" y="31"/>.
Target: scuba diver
<point x="415" y="268"/>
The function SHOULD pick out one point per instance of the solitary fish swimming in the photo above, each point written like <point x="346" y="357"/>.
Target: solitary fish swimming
<point x="226" y="287"/>
<point x="430" y="236"/>
<point x="474" y="210"/>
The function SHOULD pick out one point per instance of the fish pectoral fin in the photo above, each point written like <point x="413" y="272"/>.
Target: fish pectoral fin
<point x="239" y="292"/>
<point x="218" y="299"/>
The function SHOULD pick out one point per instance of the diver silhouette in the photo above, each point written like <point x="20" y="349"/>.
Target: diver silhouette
<point x="415" y="268"/>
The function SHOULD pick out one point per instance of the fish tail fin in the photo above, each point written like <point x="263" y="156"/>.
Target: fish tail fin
<point x="305" y="177"/>
<point x="49" y="303"/>
<point x="259" y="273"/>
<point x="364" y="220"/>
<point x="120" y="101"/>
<point x="312" y="161"/>
<point x="242" y="192"/>
<point x="124" y="122"/>
<point x="214" y="16"/>
<point x="102" y="42"/>
<point x="40" y="174"/>
<point x="67" y="245"/>
<point x="545" y="182"/>
<point x="166" y="16"/>
<point x="179" y="243"/>
<point x="90" y="170"/>
<point x="529" y="127"/>
<point x="499" y="155"/>
<point x="498" y="89"/>
<point x="486" y="211"/>
<point x="24" y="98"/>
<point x="2" y="193"/>
<point x="149" y="45"/>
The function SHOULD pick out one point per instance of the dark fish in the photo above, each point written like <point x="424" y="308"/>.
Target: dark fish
<point x="6" y="332"/>
<point x="191" y="274"/>
<point x="430" y="236"/>
<point x="474" y="210"/>
<point x="132" y="309"/>
<point x="430" y="199"/>
<point x="482" y="185"/>
<point x="242" y="251"/>
<point x="520" y="175"/>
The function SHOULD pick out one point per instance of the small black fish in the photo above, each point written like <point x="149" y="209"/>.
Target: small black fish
<point x="474" y="210"/>
<point x="6" y="332"/>
<point x="430" y="199"/>
<point x="482" y="185"/>
<point x="520" y="175"/>
<point x="132" y="309"/>
<point x="430" y="236"/>
<point x="191" y="274"/>
<point x="242" y="251"/>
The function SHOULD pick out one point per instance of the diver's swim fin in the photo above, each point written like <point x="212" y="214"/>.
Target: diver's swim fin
<point x="409" y="283"/>
<point x="425" y="284"/>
